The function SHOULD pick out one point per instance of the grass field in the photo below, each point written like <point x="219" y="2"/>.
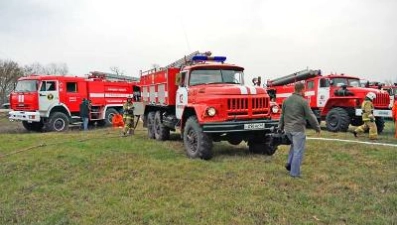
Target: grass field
<point x="98" y="177"/>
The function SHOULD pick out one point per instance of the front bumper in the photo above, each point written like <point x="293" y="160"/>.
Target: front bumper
<point x="24" y="116"/>
<point x="376" y="112"/>
<point x="240" y="126"/>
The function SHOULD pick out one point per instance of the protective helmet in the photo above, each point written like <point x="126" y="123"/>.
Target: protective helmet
<point x="371" y="95"/>
<point x="129" y="97"/>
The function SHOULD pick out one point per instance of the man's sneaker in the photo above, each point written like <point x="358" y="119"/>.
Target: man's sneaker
<point x="288" y="167"/>
<point x="355" y="133"/>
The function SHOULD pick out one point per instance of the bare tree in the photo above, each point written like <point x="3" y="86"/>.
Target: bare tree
<point x="50" y="69"/>
<point x="34" y="68"/>
<point x="9" y="74"/>
<point x="116" y="70"/>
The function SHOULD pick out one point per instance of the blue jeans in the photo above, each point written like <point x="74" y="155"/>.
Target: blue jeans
<point x="85" y="123"/>
<point x="296" y="152"/>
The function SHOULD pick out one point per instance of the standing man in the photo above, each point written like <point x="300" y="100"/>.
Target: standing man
<point x="85" y="112"/>
<point x="295" y="112"/>
<point x="368" y="118"/>
<point x="128" y="116"/>
<point x="394" y="111"/>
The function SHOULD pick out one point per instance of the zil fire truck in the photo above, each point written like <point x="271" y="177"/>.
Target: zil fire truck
<point x="391" y="89"/>
<point x="53" y="102"/>
<point x="206" y="100"/>
<point x="334" y="98"/>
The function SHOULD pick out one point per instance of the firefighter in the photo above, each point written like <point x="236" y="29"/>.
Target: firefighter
<point x="128" y="116"/>
<point x="394" y="110"/>
<point x="368" y="117"/>
<point x="118" y="121"/>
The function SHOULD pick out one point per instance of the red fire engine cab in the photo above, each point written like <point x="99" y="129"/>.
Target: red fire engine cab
<point x="53" y="102"/>
<point x="334" y="98"/>
<point x="207" y="100"/>
<point x="391" y="89"/>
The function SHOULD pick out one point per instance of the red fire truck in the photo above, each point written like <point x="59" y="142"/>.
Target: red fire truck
<point x="53" y="102"/>
<point x="206" y="99"/>
<point x="334" y="98"/>
<point x="391" y="89"/>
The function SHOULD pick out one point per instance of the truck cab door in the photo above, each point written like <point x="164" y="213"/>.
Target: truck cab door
<point x="48" y="94"/>
<point x="181" y="95"/>
<point x="73" y="93"/>
<point x="323" y="92"/>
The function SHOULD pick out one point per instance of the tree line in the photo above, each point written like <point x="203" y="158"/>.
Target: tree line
<point x="11" y="71"/>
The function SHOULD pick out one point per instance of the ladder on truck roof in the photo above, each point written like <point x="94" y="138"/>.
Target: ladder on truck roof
<point x="188" y="59"/>
<point x="111" y="77"/>
<point x="178" y="63"/>
<point x="183" y="61"/>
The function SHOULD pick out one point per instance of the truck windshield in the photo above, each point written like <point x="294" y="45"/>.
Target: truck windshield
<point x="26" y="86"/>
<point x="350" y="82"/>
<point x="216" y="76"/>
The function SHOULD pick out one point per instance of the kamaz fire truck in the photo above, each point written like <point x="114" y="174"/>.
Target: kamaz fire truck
<point x="334" y="98"/>
<point x="53" y="102"/>
<point x="207" y="100"/>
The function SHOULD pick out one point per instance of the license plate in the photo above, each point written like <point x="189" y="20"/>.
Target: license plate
<point x="254" y="126"/>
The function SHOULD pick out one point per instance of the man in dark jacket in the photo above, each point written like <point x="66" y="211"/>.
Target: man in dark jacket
<point x="295" y="112"/>
<point x="85" y="112"/>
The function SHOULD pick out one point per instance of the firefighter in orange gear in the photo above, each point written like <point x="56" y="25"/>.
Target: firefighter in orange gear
<point x="117" y="120"/>
<point x="394" y="111"/>
<point x="368" y="117"/>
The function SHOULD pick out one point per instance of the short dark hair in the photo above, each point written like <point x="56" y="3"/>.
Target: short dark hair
<point x="299" y="86"/>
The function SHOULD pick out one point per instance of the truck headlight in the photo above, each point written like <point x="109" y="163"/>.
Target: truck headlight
<point x="275" y="109"/>
<point x="211" y="111"/>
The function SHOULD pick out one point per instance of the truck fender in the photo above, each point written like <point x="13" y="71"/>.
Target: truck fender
<point x="349" y="102"/>
<point x="117" y="107"/>
<point x="47" y="114"/>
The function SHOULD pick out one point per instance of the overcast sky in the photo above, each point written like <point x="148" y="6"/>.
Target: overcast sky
<point x="270" y="38"/>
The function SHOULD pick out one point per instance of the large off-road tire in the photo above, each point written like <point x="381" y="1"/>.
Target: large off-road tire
<point x="234" y="139"/>
<point x="255" y="147"/>
<point x="260" y="147"/>
<point x="34" y="126"/>
<point x="150" y="125"/>
<point x="197" y="143"/>
<point x="110" y="112"/>
<point x="337" y="120"/>
<point x="57" y="122"/>
<point x="380" y="124"/>
<point x="161" y="132"/>
<point x="270" y="149"/>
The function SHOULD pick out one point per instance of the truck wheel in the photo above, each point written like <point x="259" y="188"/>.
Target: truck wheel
<point x="256" y="147"/>
<point x="197" y="143"/>
<point x="57" y="122"/>
<point x="337" y="120"/>
<point x="380" y="124"/>
<point x="110" y="112"/>
<point x="270" y="149"/>
<point x="161" y="132"/>
<point x="234" y="139"/>
<point x="150" y="125"/>
<point x="34" y="126"/>
<point x="260" y="147"/>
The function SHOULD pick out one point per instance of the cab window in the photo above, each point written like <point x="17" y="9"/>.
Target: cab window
<point x="310" y="85"/>
<point x="324" y="83"/>
<point x="71" y="86"/>
<point x="48" y="86"/>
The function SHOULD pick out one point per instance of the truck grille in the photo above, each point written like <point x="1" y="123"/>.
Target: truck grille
<point x="382" y="100"/>
<point x="25" y="107"/>
<point x="247" y="106"/>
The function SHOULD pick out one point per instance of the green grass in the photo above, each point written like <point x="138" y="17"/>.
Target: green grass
<point x="97" y="177"/>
